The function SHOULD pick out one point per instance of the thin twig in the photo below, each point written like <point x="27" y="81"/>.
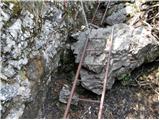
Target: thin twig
<point x="147" y="24"/>
<point x="156" y="5"/>
<point x="88" y="111"/>
<point x="154" y="16"/>
<point x="154" y="89"/>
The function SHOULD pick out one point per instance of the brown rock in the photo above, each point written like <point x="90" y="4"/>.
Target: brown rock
<point x="35" y="68"/>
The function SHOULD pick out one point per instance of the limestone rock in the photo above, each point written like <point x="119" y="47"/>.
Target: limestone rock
<point x="8" y="71"/>
<point x="30" y="47"/>
<point x="120" y="15"/>
<point x="5" y="16"/>
<point x="7" y="92"/>
<point x="15" y="28"/>
<point x="28" y="21"/>
<point x="64" y="95"/>
<point x="131" y="48"/>
<point x="16" y="112"/>
<point x="35" y="68"/>
<point x="18" y="64"/>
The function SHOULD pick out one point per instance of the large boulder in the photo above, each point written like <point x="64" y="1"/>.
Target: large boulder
<point x="131" y="48"/>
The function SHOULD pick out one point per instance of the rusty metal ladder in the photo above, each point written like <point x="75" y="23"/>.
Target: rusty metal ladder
<point x="109" y="42"/>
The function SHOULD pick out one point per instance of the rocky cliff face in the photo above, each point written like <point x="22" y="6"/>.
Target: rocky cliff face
<point x="30" y="52"/>
<point x="33" y="36"/>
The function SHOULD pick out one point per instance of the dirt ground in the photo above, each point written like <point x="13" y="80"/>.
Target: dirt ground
<point x="136" y="99"/>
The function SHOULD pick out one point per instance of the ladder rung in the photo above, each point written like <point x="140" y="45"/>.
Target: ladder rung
<point x="93" y="50"/>
<point x="88" y="100"/>
<point x="94" y="64"/>
<point x="93" y="25"/>
<point x="98" y="38"/>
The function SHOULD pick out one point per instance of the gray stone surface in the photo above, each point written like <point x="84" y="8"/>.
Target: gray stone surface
<point x="64" y="95"/>
<point x="131" y="48"/>
<point x="30" y="48"/>
<point x="16" y="112"/>
<point x="8" y="71"/>
<point x="120" y="14"/>
<point x="32" y="38"/>
<point x="7" y="92"/>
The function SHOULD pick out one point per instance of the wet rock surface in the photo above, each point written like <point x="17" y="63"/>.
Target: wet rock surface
<point x="131" y="48"/>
